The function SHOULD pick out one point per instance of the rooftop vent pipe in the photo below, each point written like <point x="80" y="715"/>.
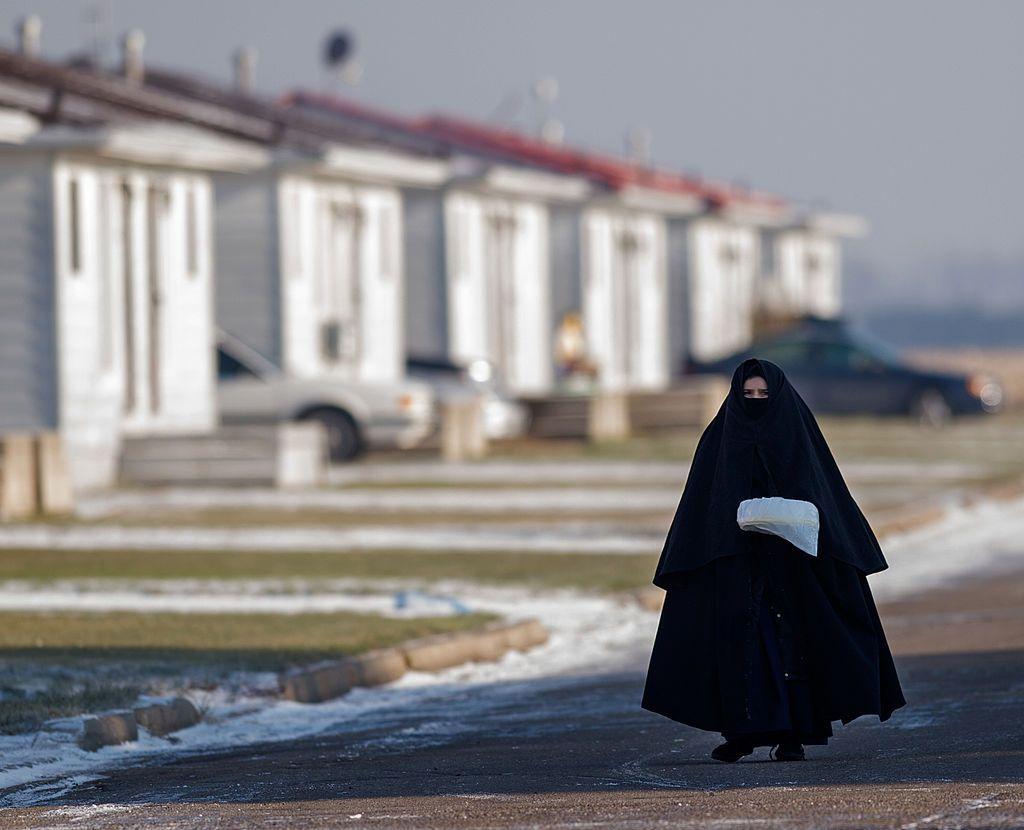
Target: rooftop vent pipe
<point x="131" y="50"/>
<point x="245" y="69"/>
<point x="30" y="29"/>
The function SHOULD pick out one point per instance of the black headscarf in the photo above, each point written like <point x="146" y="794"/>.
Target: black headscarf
<point x="783" y="432"/>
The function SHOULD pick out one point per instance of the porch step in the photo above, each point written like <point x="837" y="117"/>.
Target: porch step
<point x="281" y="455"/>
<point x="690" y="402"/>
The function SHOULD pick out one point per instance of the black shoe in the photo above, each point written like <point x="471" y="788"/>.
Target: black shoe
<point x="731" y="751"/>
<point x="787" y="752"/>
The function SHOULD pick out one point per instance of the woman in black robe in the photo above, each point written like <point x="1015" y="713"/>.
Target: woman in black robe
<point x="758" y="640"/>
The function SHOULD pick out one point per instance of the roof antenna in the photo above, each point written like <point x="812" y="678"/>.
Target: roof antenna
<point x="340" y="65"/>
<point x="638" y="145"/>
<point x="545" y="93"/>
<point x="98" y="15"/>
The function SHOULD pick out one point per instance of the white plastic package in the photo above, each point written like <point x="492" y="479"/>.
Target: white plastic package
<point x="794" y="520"/>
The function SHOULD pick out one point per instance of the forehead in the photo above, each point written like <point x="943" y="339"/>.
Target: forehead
<point x="755" y="380"/>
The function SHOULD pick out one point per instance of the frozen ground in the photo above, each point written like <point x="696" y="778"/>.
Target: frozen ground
<point x="385" y="500"/>
<point x="528" y="488"/>
<point x="591" y="536"/>
<point x="529" y="471"/>
<point x="268" y="596"/>
<point x="581" y="639"/>
<point x="589" y="635"/>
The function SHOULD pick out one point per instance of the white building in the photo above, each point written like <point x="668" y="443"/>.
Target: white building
<point x="311" y="260"/>
<point x="107" y="324"/>
<point x="627" y="294"/>
<point x="499" y="256"/>
<point x="805" y="274"/>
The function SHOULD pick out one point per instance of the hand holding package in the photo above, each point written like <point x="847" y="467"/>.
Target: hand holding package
<point x="794" y="520"/>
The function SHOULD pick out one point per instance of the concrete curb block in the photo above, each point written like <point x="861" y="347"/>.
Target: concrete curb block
<point x="523" y="635"/>
<point x="164" y="718"/>
<point x="333" y="678"/>
<point x="380" y="666"/>
<point x="108" y="730"/>
<point x="319" y="682"/>
<point x="438" y="651"/>
<point x="650" y="598"/>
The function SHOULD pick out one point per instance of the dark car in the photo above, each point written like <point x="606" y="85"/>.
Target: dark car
<point x="842" y="370"/>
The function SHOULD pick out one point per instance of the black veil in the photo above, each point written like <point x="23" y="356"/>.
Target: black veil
<point x="783" y="432"/>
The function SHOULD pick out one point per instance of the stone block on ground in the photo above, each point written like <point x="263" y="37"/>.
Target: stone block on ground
<point x="53" y="476"/>
<point x="489" y="645"/>
<point x="164" y="718"/>
<point x="18" y="488"/>
<point x="107" y="730"/>
<point x="608" y="417"/>
<point x="323" y="681"/>
<point x="382" y="665"/>
<point x="439" y="651"/>
<point x="651" y="598"/>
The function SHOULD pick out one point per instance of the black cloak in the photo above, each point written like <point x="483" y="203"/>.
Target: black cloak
<point x="796" y="457"/>
<point x="716" y="662"/>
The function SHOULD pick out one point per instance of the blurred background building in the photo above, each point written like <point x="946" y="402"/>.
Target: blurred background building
<point x="151" y="213"/>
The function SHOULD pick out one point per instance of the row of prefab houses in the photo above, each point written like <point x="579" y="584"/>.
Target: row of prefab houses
<point x="141" y="210"/>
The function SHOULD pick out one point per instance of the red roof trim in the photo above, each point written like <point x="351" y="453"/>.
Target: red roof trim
<point x="610" y="171"/>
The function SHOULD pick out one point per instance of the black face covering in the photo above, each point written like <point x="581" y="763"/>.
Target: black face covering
<point x="783" y="432"/>
<point x="754" y="407"/>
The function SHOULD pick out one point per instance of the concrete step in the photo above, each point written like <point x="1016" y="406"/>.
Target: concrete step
<point x="287" y="454"/>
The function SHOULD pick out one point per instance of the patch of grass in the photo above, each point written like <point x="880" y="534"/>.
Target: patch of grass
<point x="602" y="572"/>
<point x="996" y="439"/>
<point x="63" y="699"/>
<point x="325" y="517"/>
<point x="176" y="642"/>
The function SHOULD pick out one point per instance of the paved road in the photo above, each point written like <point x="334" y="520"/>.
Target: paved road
<point x="578" y="751"/>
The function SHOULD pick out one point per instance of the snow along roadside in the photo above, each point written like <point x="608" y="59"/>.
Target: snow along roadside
<point x="586" y="633"/>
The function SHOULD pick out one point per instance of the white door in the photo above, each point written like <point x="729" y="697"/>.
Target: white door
<point x="526" y="314"/>
<point x="469" y="333"/>
<point x="142" y="238"/>
<point x="498" y="292"/>
<point x="382" y="318"/>
<point x="601" y="328"/>
<point x="338" y="295"/>
<point x="500" y="288"/>
<point x="624" y="300"/>
<point x="644" y="303"/>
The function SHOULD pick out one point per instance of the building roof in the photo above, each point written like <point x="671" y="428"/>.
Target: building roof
<point x="82" y="95"/>
<point x="510" y="146"/>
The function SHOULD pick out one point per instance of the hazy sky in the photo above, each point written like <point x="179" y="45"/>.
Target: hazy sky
<point x="909" y="113"/>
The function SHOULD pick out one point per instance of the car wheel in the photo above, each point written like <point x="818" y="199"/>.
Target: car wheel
<point x="343" y="439"/>
<point x="930" y="408"/>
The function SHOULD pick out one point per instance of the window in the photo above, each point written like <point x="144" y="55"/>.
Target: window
<point x="74" y="227"/>
<point x="191" y="232"/>
<point x="231" y="368"/>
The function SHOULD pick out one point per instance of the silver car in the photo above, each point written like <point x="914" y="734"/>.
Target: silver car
<point x="504" y="417"/>
<point x="356" y="414"/>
